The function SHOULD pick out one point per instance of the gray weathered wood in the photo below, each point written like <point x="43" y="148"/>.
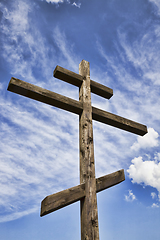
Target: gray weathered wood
<point x="76" y="80"/>
<point x="61" y="199"/>
<point x="64" y="198"/>
<point x="45" y="96"/>
<point x="118" y="122"/>
<point x="68" y="76"/>
<point x="71" y="105"/>
<point x="89" y="213"/>
<point x="109" y="180"/>
<point x="101" y="90"/>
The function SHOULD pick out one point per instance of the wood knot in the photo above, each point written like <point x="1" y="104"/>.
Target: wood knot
<point x="89" y="140"/>
<point x="94" y="222"/>
<point x="82" y="152"/>
<point x="85" y="125"/>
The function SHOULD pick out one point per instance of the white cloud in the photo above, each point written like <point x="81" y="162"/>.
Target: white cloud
<point x="39" y="138"/>
<point x="32" y="134"/>
<point x="142" y="53"/>
<point x="62" y="1"/>
<point x="16" y="215"/>
<point x="155" y="205"/>
<point x="54" y="1"/>
<point x="130" y="197"/>
<point x="149" y="140"/>
<point x="147" y="172"/>
<point x="33" y="160"/>
<point x="76" y="4"/>
<point x="153" y="195"/>
<point x="139" y="95"/>
<point x="23" y="46"/>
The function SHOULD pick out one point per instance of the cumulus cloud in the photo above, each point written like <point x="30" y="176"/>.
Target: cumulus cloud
<point x="130" y="197"/>
<point x="145" y="172"/>
<point x="147" y="141"/>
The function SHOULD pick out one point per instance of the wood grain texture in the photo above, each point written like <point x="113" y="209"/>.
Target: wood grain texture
<point x="109" y="180"/>
<point x="45" y="96"/>
<point x="101" y="90"/>
<point x="68" y="76"/>
<point x="61" y="199"/>
<point x="64" y="198"/>
<point x="89" y="213"/>
<point x="77" y="79"/>
<point x="118" y="122"/>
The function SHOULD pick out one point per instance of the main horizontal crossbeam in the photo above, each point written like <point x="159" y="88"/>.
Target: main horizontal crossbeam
<point x="71" y="105"/>
<point x="76" y="80"/>
<point x="64" y="198"/>
<point x="45" y="96"/>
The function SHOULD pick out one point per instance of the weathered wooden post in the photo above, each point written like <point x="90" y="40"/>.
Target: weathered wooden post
<point x="89" y="185"/>
<point x="89" y="214"/>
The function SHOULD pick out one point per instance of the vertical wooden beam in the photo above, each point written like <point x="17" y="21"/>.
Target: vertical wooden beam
<point x="89" y="213"/>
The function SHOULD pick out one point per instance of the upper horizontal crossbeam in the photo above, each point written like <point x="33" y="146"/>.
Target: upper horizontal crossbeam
<point x="71" y="105"/>
<point x="76" y="80"/>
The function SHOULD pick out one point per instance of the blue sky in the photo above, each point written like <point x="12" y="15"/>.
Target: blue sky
<point x="39" y="150"/>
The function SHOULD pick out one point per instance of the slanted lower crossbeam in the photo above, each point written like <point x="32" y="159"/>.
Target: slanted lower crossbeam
<point x="64" y="198"/>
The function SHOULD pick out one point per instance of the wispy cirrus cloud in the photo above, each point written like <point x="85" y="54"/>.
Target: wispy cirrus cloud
<point x="31" y="166"/>
<point x="65" y="48"/>
<point x="136" y="71"/>
<point x="143" y="53"/>
<point x="39" y="142"/>
<point x="54" y="1"/>
<point x="78" y="5"/>
<point x="157" y="4"/>
<point x="23" y="46"/>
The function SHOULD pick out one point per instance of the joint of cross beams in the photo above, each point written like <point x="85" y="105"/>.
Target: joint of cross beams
<point x="77" y="79"/>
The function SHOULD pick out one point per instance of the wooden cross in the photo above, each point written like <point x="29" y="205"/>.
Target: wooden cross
<point x="89" y="185"/>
